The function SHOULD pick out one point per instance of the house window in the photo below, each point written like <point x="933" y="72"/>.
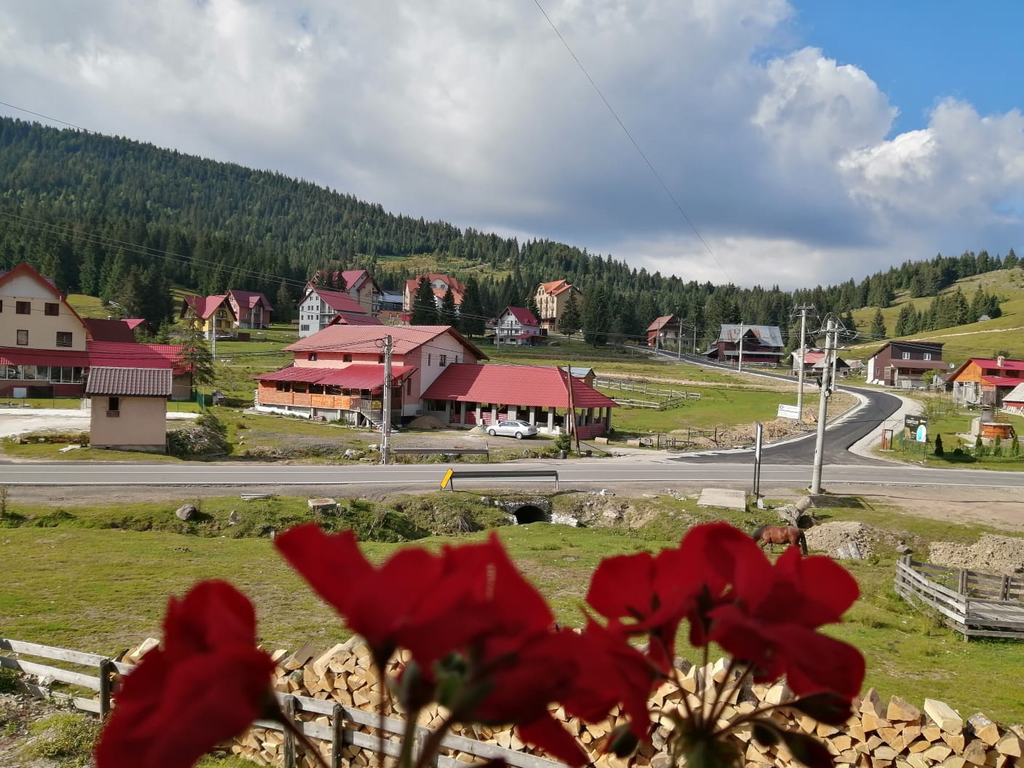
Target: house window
<point x="113" y="406"/>
<point x="906" y="355"/>
<point x="303" y="327"/>
<point x="346" y="358"/>
<point x="1" y="305"/>
<point x="63" y="338"/>
<point x="51" y="308"/>
<point x="23" y="307"/>
<point x="22" y="338"/>
<point x="443" y="361"/>
<point x="311" y="356"/>
<point x="927" y="355"/>
<point x="429" y="358"/>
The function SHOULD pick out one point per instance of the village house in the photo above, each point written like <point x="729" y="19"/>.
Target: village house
<point x="749" y="344"/>
<point x="516" y="325"/>
<point x="439" y="285"/>
<point x="210" y="315"/>
<point x="251" y="309"/>
<point x="814" y="363"/>
<point x="986" y="381"/>
<point x="1013" y="401"/>
<point x="320" y="306"/>
<point x="468" y="395"/>
<point x="338" y="375"/>
<point x="904" y="363"/>
<point x="359" y="285"/>
<point x="128" y="407"/>
<point x="665" y="332"/>
<point x="551" y="298"/>
<point x="47" y="349"/>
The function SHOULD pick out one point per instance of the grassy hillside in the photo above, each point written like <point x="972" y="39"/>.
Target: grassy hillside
<point x="971" y="340"/>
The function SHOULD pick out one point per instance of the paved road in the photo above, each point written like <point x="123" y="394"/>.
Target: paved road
<point x="586" y="472"/>
<point x="838" y="437"/>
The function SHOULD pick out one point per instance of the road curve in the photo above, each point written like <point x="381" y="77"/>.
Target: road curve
<point x="580" y="472"/>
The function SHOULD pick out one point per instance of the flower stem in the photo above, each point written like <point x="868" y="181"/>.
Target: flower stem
<point x="719" y="689"/>
<point x="433" y="742"/>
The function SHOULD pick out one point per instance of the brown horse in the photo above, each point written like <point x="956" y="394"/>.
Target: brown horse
<point x="771" y="535"/>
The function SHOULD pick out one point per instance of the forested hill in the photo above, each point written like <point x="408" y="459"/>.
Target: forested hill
<point x="96" y="212"/>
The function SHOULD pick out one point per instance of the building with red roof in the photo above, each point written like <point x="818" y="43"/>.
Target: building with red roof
<point x="664" y="332"/>
<point x="252" y="309"/>
<point x="47" y="349"/>
<point x="209" y="314"/>
<point x="439" y="284"/>
<point x="468" y="395"/>
<point x="320" y="306"/>
<point x="516" y="325"/>
<point x="551" y="299"/>
<point x="359" y="285"/>
<point x="985" y="380"/>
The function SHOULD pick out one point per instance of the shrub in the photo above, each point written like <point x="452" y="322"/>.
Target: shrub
<point x="563" y="442"/>
<point x="997" y="446"/>
<point x="979" y="446"/>
<point x="939" y="450"/>
<point x="1015" y="446"/>
<point x="208" y="437"/>
<point x="66" y="738"/>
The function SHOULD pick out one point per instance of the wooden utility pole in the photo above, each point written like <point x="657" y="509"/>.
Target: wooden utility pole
<point x="679" y="337"/>
<point x="739" y="367"/>
<point x="385" y="439"/>
<point x="572" y="406"/>
<point x="213" y="338"/>
<point x="819" y="441"/>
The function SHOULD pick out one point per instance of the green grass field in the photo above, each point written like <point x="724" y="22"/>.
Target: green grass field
<point x="103" y="589"/>
<point x="961" y="342"/>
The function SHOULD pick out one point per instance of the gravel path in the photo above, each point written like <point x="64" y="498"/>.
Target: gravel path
<point x="22" y="421"/>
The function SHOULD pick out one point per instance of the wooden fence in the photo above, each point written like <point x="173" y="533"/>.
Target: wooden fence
<point x="666" y="398"/>
<point x="348" y="726"/>
<point x="974" y="604"/>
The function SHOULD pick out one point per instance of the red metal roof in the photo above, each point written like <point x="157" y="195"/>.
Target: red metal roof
<point x="138" y="382"/>
<point x="133" y="355"/>
<point x="365" y="338"/>
<point x="353" y="376"/>
<point x="989" y="362"/>
<point x="660" y="322"/>
<point x="522" y="314"/>
<point x="514" y="385"/>
<point x="205" y="306"/>
<point x="250" y="299"/>
<point x="1002" y="381"/>
<point x="109" y="330"/>
<point x="340" y="301"/>
<point x="25" y="356"/>
<point x="556" y="287"/>
<point x="133" y="322"/>
<point x="350" y="318"/>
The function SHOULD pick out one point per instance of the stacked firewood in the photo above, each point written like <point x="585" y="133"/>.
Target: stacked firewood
<point x="893" y="734"/>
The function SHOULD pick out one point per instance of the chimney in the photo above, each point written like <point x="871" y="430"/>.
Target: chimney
<point x="999" y="361"/>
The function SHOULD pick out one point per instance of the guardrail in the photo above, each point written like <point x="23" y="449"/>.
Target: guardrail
<point x="966" y="601"/>
<point x="341" y="732"/>
<point x="441" y="452"/>
<point x="465" y="474"/>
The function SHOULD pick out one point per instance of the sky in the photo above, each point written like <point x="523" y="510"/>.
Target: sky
<point x="803" y="141"/>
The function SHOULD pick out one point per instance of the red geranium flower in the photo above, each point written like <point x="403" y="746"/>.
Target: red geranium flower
<point x="167" y="713"/>
<point x="377" y="603"/>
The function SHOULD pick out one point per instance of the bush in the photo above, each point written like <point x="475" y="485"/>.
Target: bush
<point x="979" y="446"/>
<point x="208" y="437"/>
<point x="563" y="442"/>
<point x="1015" y="446"/>
<point x="67" y="738"/>
<point x="939" y="450"/>
<point x="997" y="446"/>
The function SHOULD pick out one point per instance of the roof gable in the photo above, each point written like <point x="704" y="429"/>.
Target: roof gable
<point x="523" y="315"/>
<point x="250" y="299"/>
<point x="768" y="335"/>
<point x="539" y="386"/>
<point x="109" y="330"/>
<point x="204" y="307"/>
<point x="339" y="301"/>
<point x="367" y="338"/>
<point x="24" y="269"/>
<point x="661" y="322"/>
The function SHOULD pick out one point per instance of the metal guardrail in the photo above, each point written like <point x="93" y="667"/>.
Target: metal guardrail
<point x="340" y="733"/>
<point x="465" y="474"/>
<point x="441" y="451"/>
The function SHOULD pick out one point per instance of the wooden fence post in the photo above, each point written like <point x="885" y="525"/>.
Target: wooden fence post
<point x="289" y="737"/>
<point x="961" y="586"/>
<point x="106" y="684"/>
<point x="1004" y="589"/>
<point x="337" y="735"/>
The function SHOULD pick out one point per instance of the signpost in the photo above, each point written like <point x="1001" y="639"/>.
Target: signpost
<point x="758" y="440"/>
<point x="913" y="421"/>
<point x="789" y="412"/>
<point x="447" y="479"/>
<point x="922" y="433"/>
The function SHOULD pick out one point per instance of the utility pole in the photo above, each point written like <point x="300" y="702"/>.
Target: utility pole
<point x="803" y="347"/>
<point x="213" y="338"/>
<point x="385" y="439"/>
<point x="739" y="367"/>
<point x="694" y="337"/>
<point x="679" y="337"/>
<point x="572" y="406"/>
<point x="819" y="441"/>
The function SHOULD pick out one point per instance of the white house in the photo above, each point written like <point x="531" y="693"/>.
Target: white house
<point x="321" y="305"/>
<point x="516" y="325"/>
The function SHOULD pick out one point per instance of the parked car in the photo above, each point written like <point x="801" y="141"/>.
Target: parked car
<point x="512" y="428"/>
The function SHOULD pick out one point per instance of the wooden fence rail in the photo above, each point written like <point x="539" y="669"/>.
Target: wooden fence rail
<point x="341" y="733"/>
<point x="974" y="604"/>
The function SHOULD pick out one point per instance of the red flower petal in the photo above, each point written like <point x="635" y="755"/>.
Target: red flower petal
<point x="332" y="564"/>
<point x="622" y="587"/>
<point x="548" y="734"/>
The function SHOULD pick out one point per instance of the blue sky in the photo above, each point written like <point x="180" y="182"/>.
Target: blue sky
<point x="921" y="52"/>
<point x="807" y="141"/>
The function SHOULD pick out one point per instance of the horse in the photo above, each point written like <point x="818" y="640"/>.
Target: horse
<point x="771" y="535"/>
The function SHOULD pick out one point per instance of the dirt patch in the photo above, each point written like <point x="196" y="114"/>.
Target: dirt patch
<point x="848" y="539"/>
<point x="427" y="422"/>
<point x="991" y="553"/>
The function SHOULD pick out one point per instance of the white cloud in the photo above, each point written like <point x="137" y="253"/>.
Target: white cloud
<point x="473" y="112"/>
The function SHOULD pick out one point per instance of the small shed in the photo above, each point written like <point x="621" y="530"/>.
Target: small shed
<point x="1013" y="401"/>
<point x="129" y="407"/>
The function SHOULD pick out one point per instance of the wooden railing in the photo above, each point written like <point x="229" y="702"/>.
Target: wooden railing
<point x="341" y="732"/>
<point x="974" y="604"/>
<point x="310" y="400"/>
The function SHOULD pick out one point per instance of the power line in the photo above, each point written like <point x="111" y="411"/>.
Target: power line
<point x="632" y="140"/>
<point x="45" y="117"/>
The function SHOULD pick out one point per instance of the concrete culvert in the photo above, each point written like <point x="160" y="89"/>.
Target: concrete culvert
<point x="530" y="514"/>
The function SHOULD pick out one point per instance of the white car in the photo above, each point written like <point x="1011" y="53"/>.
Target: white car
<point x="512" y="428"/>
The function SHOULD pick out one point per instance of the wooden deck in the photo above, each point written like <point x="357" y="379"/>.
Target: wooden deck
<point x="974" y="604"/>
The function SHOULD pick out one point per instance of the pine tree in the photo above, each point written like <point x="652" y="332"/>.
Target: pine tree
<point x="471" y="316"/>
<point x="283" y="303"/>
<point x="939" y="451"/>
<point x="449" y="313"/>
<point x="197" y="357"/>
<point x="596" y="321"/>
<point x="906" y="321"/>
<point x="1011" y="260"/>
<point x="570" y="321"/>
<point x="878" y="326"/>
<point x="424" y="305"/>
<point x="961" y="309"/>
